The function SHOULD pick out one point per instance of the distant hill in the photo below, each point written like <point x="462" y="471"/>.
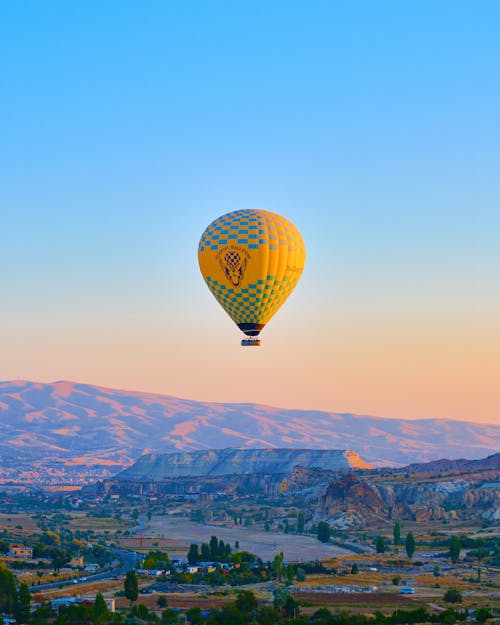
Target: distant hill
<point x="69" y="428"/>
<point x="461" y="464"/>
<point x="216" y="462"/>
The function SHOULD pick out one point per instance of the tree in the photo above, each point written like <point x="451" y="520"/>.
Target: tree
<point x="169" y="617"/>
<point x="300" y="522"/>
<point x="324" y="531"/>
<point x="480" y="544"/>
<point x="214" y="547"/>
<point x="161" y="602"/>
<point x="59" y="558"/>
<point x="150" y="561"/>
<point x="396" y="532"/>
<point x="483" y="614"/>
<point x="452" y="595"/>
<point x="410" y="545"/>
<point x="7" y="589"/>
<point x="100" y="608"/>
<point x="204" y="552"/>
<point x="266" y="615"/>
<point x="354" y="569"/>
<point x="192" y="556"/>
<point x="290" y="572"/>
<point x="194" y="616"/>
<point x="380" y="544"/>
<point x="278" y="565"/>
<point x="454" y="548"/>
<point x="300" y="574"/>
<point x="246" y="603"/>
<point x="291" y="607"/>
<point x="22" y="609"/>
<point x="131" y="586"/>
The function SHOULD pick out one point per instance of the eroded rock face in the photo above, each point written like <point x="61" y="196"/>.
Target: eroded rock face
<point x="349" y="494"/>
<point x="469" y="490"/>
<point x="238" y="462"/>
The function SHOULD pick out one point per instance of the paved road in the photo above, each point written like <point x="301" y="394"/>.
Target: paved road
<point x="128" y="561"/>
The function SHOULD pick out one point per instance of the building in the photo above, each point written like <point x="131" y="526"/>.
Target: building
<point x="20" y="551"/>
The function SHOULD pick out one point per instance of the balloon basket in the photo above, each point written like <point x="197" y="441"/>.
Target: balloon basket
<point x="250" y="342"/>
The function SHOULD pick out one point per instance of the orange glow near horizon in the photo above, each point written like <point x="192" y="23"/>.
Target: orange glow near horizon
<point x="400" y="370"/>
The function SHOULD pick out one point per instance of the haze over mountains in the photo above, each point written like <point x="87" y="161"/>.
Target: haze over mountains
<point x="79" y="426"/>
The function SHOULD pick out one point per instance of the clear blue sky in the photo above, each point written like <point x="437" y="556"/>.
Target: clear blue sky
<point x="126" y="127"/>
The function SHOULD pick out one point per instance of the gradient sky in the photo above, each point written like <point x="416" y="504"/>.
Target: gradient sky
<point x="127" y="127"/>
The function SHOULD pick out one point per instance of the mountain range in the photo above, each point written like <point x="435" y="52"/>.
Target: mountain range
<point x="66" y="426"/>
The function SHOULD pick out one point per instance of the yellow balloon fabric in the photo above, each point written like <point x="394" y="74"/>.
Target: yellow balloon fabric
<point x="251" y="260"/>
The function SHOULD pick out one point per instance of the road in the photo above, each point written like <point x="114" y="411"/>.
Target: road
<point x="128" y="561"/>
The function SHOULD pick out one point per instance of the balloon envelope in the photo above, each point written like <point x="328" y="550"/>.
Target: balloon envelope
<point x="251" y="260"/>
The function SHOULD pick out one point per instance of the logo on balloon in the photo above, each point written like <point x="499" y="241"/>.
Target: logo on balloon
<point x="233" y="264"/>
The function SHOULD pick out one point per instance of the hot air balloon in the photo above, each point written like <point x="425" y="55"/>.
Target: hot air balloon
<point x="251" y="260"/>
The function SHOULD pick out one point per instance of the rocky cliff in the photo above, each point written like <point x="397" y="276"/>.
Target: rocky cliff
<point x="219" y="462"/>
<point x="440" y="490"/>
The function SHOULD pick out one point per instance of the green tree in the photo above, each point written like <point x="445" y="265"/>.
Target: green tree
<point x="280" y="595"/>
<point x="22" y="609"/>
<point x="150" y="561"/>
<point x="214" y="547"/>
<point x="300" y="574"/>
<point x="301" y="521"/>
<point x="59" y="557"/>
<point x="140" y="611"/>
<point x="8" y="596"/>
<point x="483" y="614"/>
<point x="194" y="616"/>
<point x="278" y="565"/>
<point x="354" y="569"/>
<point x="396" y="532"/>
<point x="380" y="544"/>
<point x="480" y="545"/>
<point x="323" y="531"/>
<point x="454" y="548"/>
<point x="168" y="617"/>
<point x="205" y="552"/>
<point x="246" y="603"/>
<point x="101" y="611"/>
<point x="452" y="595"/>
<point x="291" y="607"/>
<point x="410" y="545"/>
<point x="266" y="615"/>
<point x="161" y="602"/>
<point x="131" y="586"/>
<point x="192" y="556"/>
<point x="290" y="572"/>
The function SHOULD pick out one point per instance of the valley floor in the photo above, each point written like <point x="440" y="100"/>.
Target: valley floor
<point x="264" y="544"/>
